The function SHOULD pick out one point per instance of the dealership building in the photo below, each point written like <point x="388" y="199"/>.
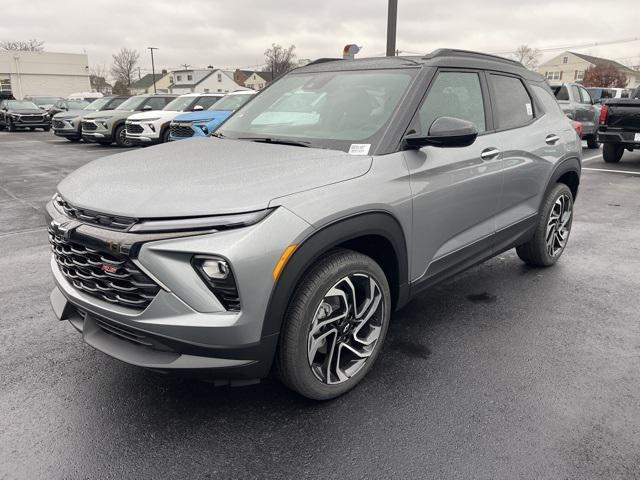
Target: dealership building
<point x="43" y="73"/>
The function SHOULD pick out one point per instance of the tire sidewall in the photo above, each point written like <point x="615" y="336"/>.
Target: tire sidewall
<point x="312" y="387"/>
<point x="116" y="135"/>
<point x="556" y="192"/>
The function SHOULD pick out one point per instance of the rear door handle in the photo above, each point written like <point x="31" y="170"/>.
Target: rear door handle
<point x="552" y="139"/>
<point x="489" y="153"/>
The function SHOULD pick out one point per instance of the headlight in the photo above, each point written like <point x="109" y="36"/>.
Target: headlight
<point x="203" y="127"/>
<point x="218" y="222"/>
<point x="14" y="115"/>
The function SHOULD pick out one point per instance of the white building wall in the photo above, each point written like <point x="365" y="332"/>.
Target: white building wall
<point x="255" y="82"/>
<point x="45" y="73"/>
<point x="218" y="82"/>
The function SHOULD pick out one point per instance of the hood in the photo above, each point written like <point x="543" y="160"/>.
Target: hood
<point x="162" y="114"/>
<point x="67" y="114"/>
<point x="203" y="115"/>
<point x="108" y="114"/>
<point x="27" y="111"/>
<point x="204" y="176"/>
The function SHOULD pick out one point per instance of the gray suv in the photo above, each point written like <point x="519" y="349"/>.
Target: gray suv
<point x="285" y="241"/>
<point x="577" y="104"/>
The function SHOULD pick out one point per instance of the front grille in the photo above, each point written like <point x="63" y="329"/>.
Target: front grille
<point x="181" y="130"/>
<point x="58" y="124"/>
<point x="89" y="126"/>
<point x="31" y="118"/>
<point x="134" y="128"/>
<point x="107" y="276"/>
<point x="94" y="218"/>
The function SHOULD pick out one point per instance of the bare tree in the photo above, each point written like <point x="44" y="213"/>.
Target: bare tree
<point x="528" y="56"/>
<point x="279" y="60"/>
<point x="98" y="77"/>
<point x="604" y="75"/>
<point x="31" y="45"/>
<point x="124" y="64"/>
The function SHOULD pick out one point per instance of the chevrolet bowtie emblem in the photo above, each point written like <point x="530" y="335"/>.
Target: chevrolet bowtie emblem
<point x="64" y="227"/>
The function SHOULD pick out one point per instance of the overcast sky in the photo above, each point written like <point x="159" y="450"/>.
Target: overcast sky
<point x="236" y="33"/>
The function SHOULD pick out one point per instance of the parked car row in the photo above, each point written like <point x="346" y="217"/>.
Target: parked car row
<point x="128" y="121"/>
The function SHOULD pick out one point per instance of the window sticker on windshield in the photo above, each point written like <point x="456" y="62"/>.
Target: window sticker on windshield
<point x="359" y="148"/>
<point x="529" y="109"/>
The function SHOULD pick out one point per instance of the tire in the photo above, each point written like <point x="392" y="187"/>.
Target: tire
<point x="165" y="135"/>
<point x="33" y="129"/>
<point x="553" y="220"/>
<point x="120" y="136"/>
<point x="302" y="364"/>
<point x="46" y="129"/>
<point x="73" y="139"/>
<point x="612" y="152"/>
<point x="10" y="126"/>
<point x="104" y="143"/>
<point x="592" y="141"/>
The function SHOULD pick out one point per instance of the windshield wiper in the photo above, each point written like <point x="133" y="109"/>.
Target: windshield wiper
<point x="277" y="141"/>
<point x="217" y="135"/>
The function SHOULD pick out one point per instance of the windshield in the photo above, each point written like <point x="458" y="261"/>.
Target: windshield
<point x="561" y="93"/>
<point x="76" y="104"/>
<point x="327" y="109"/>
<point x="180" y="104"/>
<point x="45" y="100"/>
<point x="132" y="104"/>
<point x="231" y="102"/>
<point x="16" y="104"/>
<point x="98" y="104"/>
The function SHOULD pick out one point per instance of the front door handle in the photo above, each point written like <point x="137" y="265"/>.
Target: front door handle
<point x="552" y="139"/>
<point x="489" y="153"/>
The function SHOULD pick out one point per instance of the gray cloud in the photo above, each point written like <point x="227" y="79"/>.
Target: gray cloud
<point x="230" y="34"/>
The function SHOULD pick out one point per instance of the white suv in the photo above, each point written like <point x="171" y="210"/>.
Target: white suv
<point x="149" y="127"/>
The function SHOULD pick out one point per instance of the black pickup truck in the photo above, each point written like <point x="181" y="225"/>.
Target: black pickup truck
<point x="619" y="128"/>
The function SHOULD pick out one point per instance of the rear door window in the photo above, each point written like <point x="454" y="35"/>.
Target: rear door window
<point x="585" y="97"/>
<point x="158" y="103"/>
<point x="454" y="94"/>
<point x="513" y="105"/>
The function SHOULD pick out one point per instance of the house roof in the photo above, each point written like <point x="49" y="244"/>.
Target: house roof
<point x="146" y="81"/>
<point x="603" y="61"/>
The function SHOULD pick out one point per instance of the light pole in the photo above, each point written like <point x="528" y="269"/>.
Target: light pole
<point x="392" y="19"/>
<point x="153" y="68"/>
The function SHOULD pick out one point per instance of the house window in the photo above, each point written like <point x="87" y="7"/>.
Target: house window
<point x="219" y="90"/>
<point x="579" y="75"/>
<point x="179" y="77"/>
<point x="219" y="77"/>
<point x="565" y="59"/>
<point x="189" y="77"/>
<point x="554" y="75"/>
<point x="206" y="90"/>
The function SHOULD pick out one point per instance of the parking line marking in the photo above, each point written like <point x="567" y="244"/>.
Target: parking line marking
<point x="627" y="172"/>
<point x="591" y="158"/>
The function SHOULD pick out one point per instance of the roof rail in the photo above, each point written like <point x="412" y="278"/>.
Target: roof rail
<point x="321" y="60"/>
<point x="453" y="52"/>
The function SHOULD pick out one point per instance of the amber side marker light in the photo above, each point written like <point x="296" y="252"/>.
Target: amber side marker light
<point x="283" y="260"/>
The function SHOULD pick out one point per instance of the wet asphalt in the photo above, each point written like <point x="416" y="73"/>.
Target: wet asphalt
<point x="503" y="372"/>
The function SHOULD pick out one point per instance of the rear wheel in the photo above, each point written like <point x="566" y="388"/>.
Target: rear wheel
<point x="46" y="129"/>
<point x="552" y="231"/>
<point x="335" y="325"/>
<point x="592" y="141"/>
<point x="612" y="153"/>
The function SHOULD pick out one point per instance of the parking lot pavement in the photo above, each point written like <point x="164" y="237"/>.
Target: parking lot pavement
<point x="503" y="372"/>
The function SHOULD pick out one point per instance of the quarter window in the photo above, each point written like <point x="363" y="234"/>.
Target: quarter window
<point x="513" y="105"/>
<point x="585" y="97"/>
<point x="454" y="94"/>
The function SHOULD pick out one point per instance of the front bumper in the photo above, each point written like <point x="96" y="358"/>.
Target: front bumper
<point x="147" y="135"/>
<point x="185" y="327"/>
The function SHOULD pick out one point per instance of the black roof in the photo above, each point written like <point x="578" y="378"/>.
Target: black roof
<point x="438" y="58"/>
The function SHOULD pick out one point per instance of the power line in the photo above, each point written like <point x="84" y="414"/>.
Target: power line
<point x="577" y="46"/>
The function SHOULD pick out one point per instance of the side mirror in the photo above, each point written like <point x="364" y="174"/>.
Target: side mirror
<point x="198" y="108"/>
<point x="570" y="115"/>
<point x="147" y="108"/>
<point x="444" y="132"/>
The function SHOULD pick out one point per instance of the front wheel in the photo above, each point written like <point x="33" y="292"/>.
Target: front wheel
<point x="335" y="325"/>
<point x="10" y="126"/>
<point x="552" y="232"/>
<point x="165" y="135"/>
<point x="120" y="135"/>
<point x="612" y="153"/>
<point x="46" y="129"/>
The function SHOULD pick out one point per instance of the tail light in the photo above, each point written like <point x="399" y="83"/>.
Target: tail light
<point x="578" y="128"/>
<point x="604" y="111"/>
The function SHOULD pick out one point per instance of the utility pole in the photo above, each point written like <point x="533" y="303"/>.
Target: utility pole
<point x="392" y="20"/>
<point x="153" y="68"/>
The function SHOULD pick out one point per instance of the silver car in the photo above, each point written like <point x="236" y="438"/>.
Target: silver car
<point x="286" y="241"/>
<point x="577" y="104"/>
